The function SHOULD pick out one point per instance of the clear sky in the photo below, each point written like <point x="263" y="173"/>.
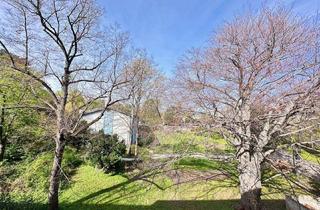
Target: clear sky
<point x="167" y="28"/>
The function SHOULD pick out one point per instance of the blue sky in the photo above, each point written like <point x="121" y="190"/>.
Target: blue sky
<point x="167" y="28"/>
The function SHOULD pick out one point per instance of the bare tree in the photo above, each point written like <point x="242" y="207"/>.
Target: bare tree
<point x="146" y="83"/>
<point x="64" y="48"/>
<point x="259" y="79"/>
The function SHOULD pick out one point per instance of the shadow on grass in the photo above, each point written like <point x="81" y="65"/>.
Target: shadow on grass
<point x="158" y="205"/>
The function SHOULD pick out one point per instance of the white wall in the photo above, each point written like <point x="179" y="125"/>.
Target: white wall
<point x="97" y="126"/>
<point x="120" y="124"/>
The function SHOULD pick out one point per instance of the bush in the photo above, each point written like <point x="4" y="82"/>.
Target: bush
<point x="7" y="175"/>
<point x="106" y="152"/>
<point x="14" y="152"/>
<point x="145" y="141"/>
<point x="146" y="136"/>
<point x="71" y="160"/>
<point x="81" y="141"/>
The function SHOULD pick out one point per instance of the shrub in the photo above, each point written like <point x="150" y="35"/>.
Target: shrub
<point x="14" y="152"/>
<point x="106" y="152"/>
<point x="146" y="136"/>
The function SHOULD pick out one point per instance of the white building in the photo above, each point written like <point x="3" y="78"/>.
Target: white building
<point x="112" y="122"/>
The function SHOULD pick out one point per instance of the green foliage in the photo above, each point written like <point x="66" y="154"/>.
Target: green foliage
<point x="81" y="141"/>
<point x="33" y="180"/>
<point x="71" y="160"/>
<point x="7" y="174"/>
<point x="27" y="139"/>
<point x="106" y="152"/>
<point x="14" y="152"/>
<point x="20" y="123"/>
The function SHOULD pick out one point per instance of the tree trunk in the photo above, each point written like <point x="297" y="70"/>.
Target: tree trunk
<point x="135" y="134"/>
<point x="250" y="181"/>
<point x="136" y="148"/>
<point x="53" y="197"/>
<point x="3" y="139"/>
<point x="3" y="142"/>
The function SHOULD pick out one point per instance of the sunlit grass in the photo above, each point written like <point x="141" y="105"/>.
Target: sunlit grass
<point x="90" y="188"/>
<point x="191" y="142"/>
<point x="118" y="190"/>
<point x="310" y="157"/>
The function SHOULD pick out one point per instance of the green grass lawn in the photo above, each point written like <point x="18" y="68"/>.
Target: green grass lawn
<point x="90" y="188"/>
<point x="93" y="189"/>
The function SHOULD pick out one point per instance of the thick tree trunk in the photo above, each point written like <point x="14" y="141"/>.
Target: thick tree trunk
<point x="53" y="197"/>
<point x="250" y="181"/>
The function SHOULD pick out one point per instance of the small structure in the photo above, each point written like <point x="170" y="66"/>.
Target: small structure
<point x="112" y="122"/>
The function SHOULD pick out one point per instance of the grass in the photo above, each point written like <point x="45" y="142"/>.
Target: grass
<point x="205" y="165"/>
<point x="310" y="157"/>
<point x="107" y="189"/>
<point x="191" y="142"/>
<point x="90" y="188"/>
<point x="307" y="155"/>
<point x="32" y="179"/>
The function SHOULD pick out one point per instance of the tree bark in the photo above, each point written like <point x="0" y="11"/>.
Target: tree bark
<point x="3" y="139"/>
<point x="53" y="197"/>
<point x="250" y="181"/>
<point x="135" y="133"/>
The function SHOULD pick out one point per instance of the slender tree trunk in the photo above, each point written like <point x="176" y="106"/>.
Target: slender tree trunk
<point x="136" y="148"/>
<point x="53" y="197"/>
<point x="250" y="181"/>
<point x="129" y="143"/>
<point x="135" y="130"/>
<point x="3" y="139"/>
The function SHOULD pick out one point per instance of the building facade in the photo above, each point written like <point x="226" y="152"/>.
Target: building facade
<point x="113" y="122"/>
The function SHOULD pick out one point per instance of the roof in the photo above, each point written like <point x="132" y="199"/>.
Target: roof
<point x="97" y="110"/>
